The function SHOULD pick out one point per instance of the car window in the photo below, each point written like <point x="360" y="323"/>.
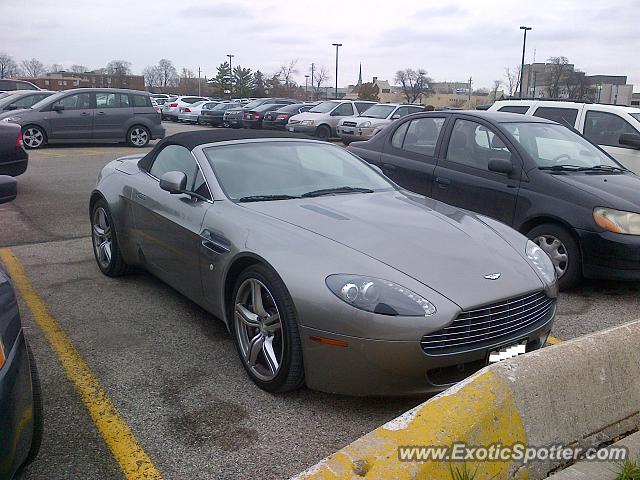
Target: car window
<point x="474" y="144"/>
<point x="422" y="135"/>
<point x="346" y="109"/>
<point x="564" y="116"/>
<point x="415" y="109"/>
<point x="175" y="158"/>
<point x="401" y="112"/>
<point x="28" y="101"/>
<point x="111" y="100"/>
<point x="363" y="107"/>
<point x="200" y="185"/>
<point x="522" y="109"/>
<point x="605" y="128"/>
<point x="398" y="135"/>
<point x="79" y="101"/>
<point x="141" y="101"/>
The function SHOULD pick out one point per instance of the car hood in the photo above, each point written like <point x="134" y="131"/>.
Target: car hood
<point x="443" y="247"/>
<point x="12" y="113"/>
<point x="618" y="191"/>
<point x="375" y="122"/>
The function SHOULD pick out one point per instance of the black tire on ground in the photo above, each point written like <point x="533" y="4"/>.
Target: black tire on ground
<point x="116" y="267"/>
<point x="38" y="411"/>
<point x="138" y="136"/>
<point x="572" y="275"/>
<point x="33" y="137"/>
<point x="291" y="374"/>
<point x="323" y="132"/>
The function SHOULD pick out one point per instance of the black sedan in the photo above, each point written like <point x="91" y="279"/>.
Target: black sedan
<point x="21" y="416"/>
<point x="253" y="118"/>
<point x="548" y="182"/>
<point x="215" y="116"/>
<point x="13" y="156"/>
<point x="277" y="119"/>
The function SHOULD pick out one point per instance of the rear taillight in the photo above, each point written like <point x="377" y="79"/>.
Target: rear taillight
<point x="256" y="116"/>
<point x="282" y="117"/>
<point x="187" y="110"/>
<point x="173" y="105"/>
<point x="19" y="141"/>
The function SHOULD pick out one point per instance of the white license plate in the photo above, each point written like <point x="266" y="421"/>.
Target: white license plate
<point x="509" y="351"/>
<point x="291" y="129"/>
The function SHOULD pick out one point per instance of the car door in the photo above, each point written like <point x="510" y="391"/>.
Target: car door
<point x="409" y="153"/>
<point x="462" y="175"/>
<point x="73" y="119"/>
<point x="343" y="110"/>
<point x="169" y="225"/>
<point x="604" y="129"/>
<point x="112" y="112"/>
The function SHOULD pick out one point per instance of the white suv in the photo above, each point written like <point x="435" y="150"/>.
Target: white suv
<point x="322" y="120"/>
<point x="615" y="128"/>
<point x="367" y="124"/>
<point x="174" y="106"/>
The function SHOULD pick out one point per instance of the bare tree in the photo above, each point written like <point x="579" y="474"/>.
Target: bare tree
<point x="496" y="85"/>
<point x="414" y="83"/>
<point x="78" y="68"/>
<point x="319" y="81"/>
<point x="119" y="68"/>
<point x="559" y="69"/>
<point x="32" y="68"/>
<point x="188" y="82"/>
<point x="152" y="76"/>
<point x="8" y="66"/>
<point x="168" y="73"/>
<point x="56" y="67"/>
<point x="512" y="77"/>
<point x="286" y="74"/>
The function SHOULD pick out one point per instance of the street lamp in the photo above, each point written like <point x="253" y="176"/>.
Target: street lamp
<point x="524" y="45"/>
<point x="230" y="76"/>
<point x="337" y="45"/>
<point x="306" y="87"/>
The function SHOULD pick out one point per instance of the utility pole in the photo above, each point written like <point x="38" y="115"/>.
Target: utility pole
<point x="313" y="65"/>
<point x="230" y="76"/>
<point x="337" y="45"/>
<point x="306" y="87"/>
<point x="199" y="93"/>
<point x="524" y="46"/>
<point x="469" y="96"/>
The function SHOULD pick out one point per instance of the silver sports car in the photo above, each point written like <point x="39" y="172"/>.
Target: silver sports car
<point x="325" y="272"/>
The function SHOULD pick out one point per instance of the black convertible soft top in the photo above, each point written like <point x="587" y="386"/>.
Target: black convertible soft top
<point x="195" y="138"/>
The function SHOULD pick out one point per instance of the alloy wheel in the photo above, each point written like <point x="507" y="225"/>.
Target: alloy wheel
<point x="139" y="137"/>
<point x="556" y="251"/>
<point x="32" y="137"/>
<point x="258" y="329"/>
<point x="102" y="237"/>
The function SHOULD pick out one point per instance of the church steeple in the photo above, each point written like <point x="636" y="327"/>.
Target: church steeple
<point x="360" y="75"/>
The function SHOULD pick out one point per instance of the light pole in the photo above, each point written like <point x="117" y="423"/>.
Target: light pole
<point x="524" y="46"/>
<point x="306" y="87"/>
<point x="337" y="45"/>
<point x="230" y="76"/>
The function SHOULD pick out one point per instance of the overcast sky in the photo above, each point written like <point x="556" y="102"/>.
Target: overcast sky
<point x="452" y="40"/>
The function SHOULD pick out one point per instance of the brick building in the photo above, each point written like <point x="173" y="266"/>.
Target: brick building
<point x="97" y="79"/>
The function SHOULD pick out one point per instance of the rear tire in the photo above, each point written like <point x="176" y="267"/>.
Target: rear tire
<point x="38" y="411"/>
<point x="105" y="242"/>
<point x="563" y="250"/>
<point x="138" y="136"/>
<point x="323" y="132"/>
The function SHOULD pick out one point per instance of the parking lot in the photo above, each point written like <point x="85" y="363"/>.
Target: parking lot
<point x="170" y="369"/>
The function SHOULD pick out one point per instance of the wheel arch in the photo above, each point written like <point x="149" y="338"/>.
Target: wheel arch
<point x="40" y="126"/>
<point x="533" y="222"/>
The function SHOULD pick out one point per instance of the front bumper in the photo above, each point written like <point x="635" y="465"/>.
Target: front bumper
<point x="395" y="368"/>
<point x="16" y="408"/>
<point x="306" y="129"/>
<point x="355" y="134"/>
<point x="610" y="256"/>
<point x="188" y="117"/>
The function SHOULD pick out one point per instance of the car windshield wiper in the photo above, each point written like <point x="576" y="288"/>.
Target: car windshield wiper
<point x="336" y="190"/>
<point x="577" y="168"/>
<point x="266" y="198"/>
<point x="562" y="168"/>
<point x="605" y="168"/>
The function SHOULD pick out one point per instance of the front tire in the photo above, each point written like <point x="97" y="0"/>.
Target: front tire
<point x="38" y="411"/>
<point x="138" y="136"/>
<point x="33" y="137"/>
<point x="265" y="330"/>
<point x="323" y="132"/>
<point x="563" y="250"/>
<point x="105" y="242"/>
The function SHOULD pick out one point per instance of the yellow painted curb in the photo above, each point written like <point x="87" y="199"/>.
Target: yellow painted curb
<point x="479" y="411"/>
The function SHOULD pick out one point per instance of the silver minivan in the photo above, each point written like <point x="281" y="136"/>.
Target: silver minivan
<point x="89" y="115"/>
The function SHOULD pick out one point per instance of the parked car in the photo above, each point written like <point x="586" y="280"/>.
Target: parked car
<point x="387" y="274"/>
<point x="22" y="99"/>
<point x="215" y="116"/>
<point x="8" y="84"/>
<point x="322" y="120"/>
<point x="13" y="156"/>
<point x="160" y="96"/>
<point x="155" y="105"/>
<point x="546" y="181"/>
<point x="191" y="114"/>
<point x="364" y="126"/>
<point x="253" y="118"/>
<point x="171" y="108"/>
<point x="234" y="117"/>
<point x="89" y="115"/>
<point x="615" y="128"/>
<point x="21" y="416"/>
<point x="277" y="119"/>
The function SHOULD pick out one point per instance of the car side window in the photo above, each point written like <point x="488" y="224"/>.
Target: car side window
<point x="26" y="102"/>
<point x="422" y="135"/>
<point x="415" y="109"/>
<point x="200" y="185"/>
<point x="363" y="107"/>
<point x="111" y="100"/>
<point x="79" y="101"/>
<point x="401" y="112"/>
<point x="604" y="128"/>
<point x="522" y="109"/>
<point x="474" y="144"/>
<point x="345" y="109"/>
<point x="399" y="134"/>
<point x="141" y="101"/>
<point x="564" y="116"/>
<point x="175" y="158"/>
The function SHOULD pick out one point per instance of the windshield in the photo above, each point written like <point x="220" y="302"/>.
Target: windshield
<point x="252" y="104"/>
<point x="289" y="169"/>
<point x="324" y="107"/>
<point x="378" y="111"/>
<point x="635" y="115"/>
<point x="553" y="145"/>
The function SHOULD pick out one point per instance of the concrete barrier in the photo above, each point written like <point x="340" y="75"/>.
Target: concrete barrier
<point x="580" y="393"/>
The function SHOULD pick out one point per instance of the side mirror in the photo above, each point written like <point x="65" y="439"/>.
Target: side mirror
<point x="8" y="188"/>
<point x="58" y="108"/>
<point x="395" y="116"/>
<point x="173" y="182"/>
<point x="501" y="165"/>
<point x="630" y="140"/>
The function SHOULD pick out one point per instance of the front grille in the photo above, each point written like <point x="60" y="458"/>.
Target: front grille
<point x="349" y="124"/>
<point x="490" y="324"/>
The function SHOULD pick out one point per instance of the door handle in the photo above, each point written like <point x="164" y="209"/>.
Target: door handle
<point x="443" y="182"/>
<point x="210" y="242"/>
<point x="100" y="113"/>
<point x="85" y="114"/>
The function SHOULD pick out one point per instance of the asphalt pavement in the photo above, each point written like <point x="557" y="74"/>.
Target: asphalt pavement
<point x="169" y="367"/>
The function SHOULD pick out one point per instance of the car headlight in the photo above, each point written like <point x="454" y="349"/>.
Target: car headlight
<point x="616" y="221"/>
<point x="365" y="124"/>
<point x="541" y="262"/>
<point x="11" y="119"/>
<point x="379" y="296"/>
<point x="308" y="122"/>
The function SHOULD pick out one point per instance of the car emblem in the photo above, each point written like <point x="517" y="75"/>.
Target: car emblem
<point x="492" y="276"/>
